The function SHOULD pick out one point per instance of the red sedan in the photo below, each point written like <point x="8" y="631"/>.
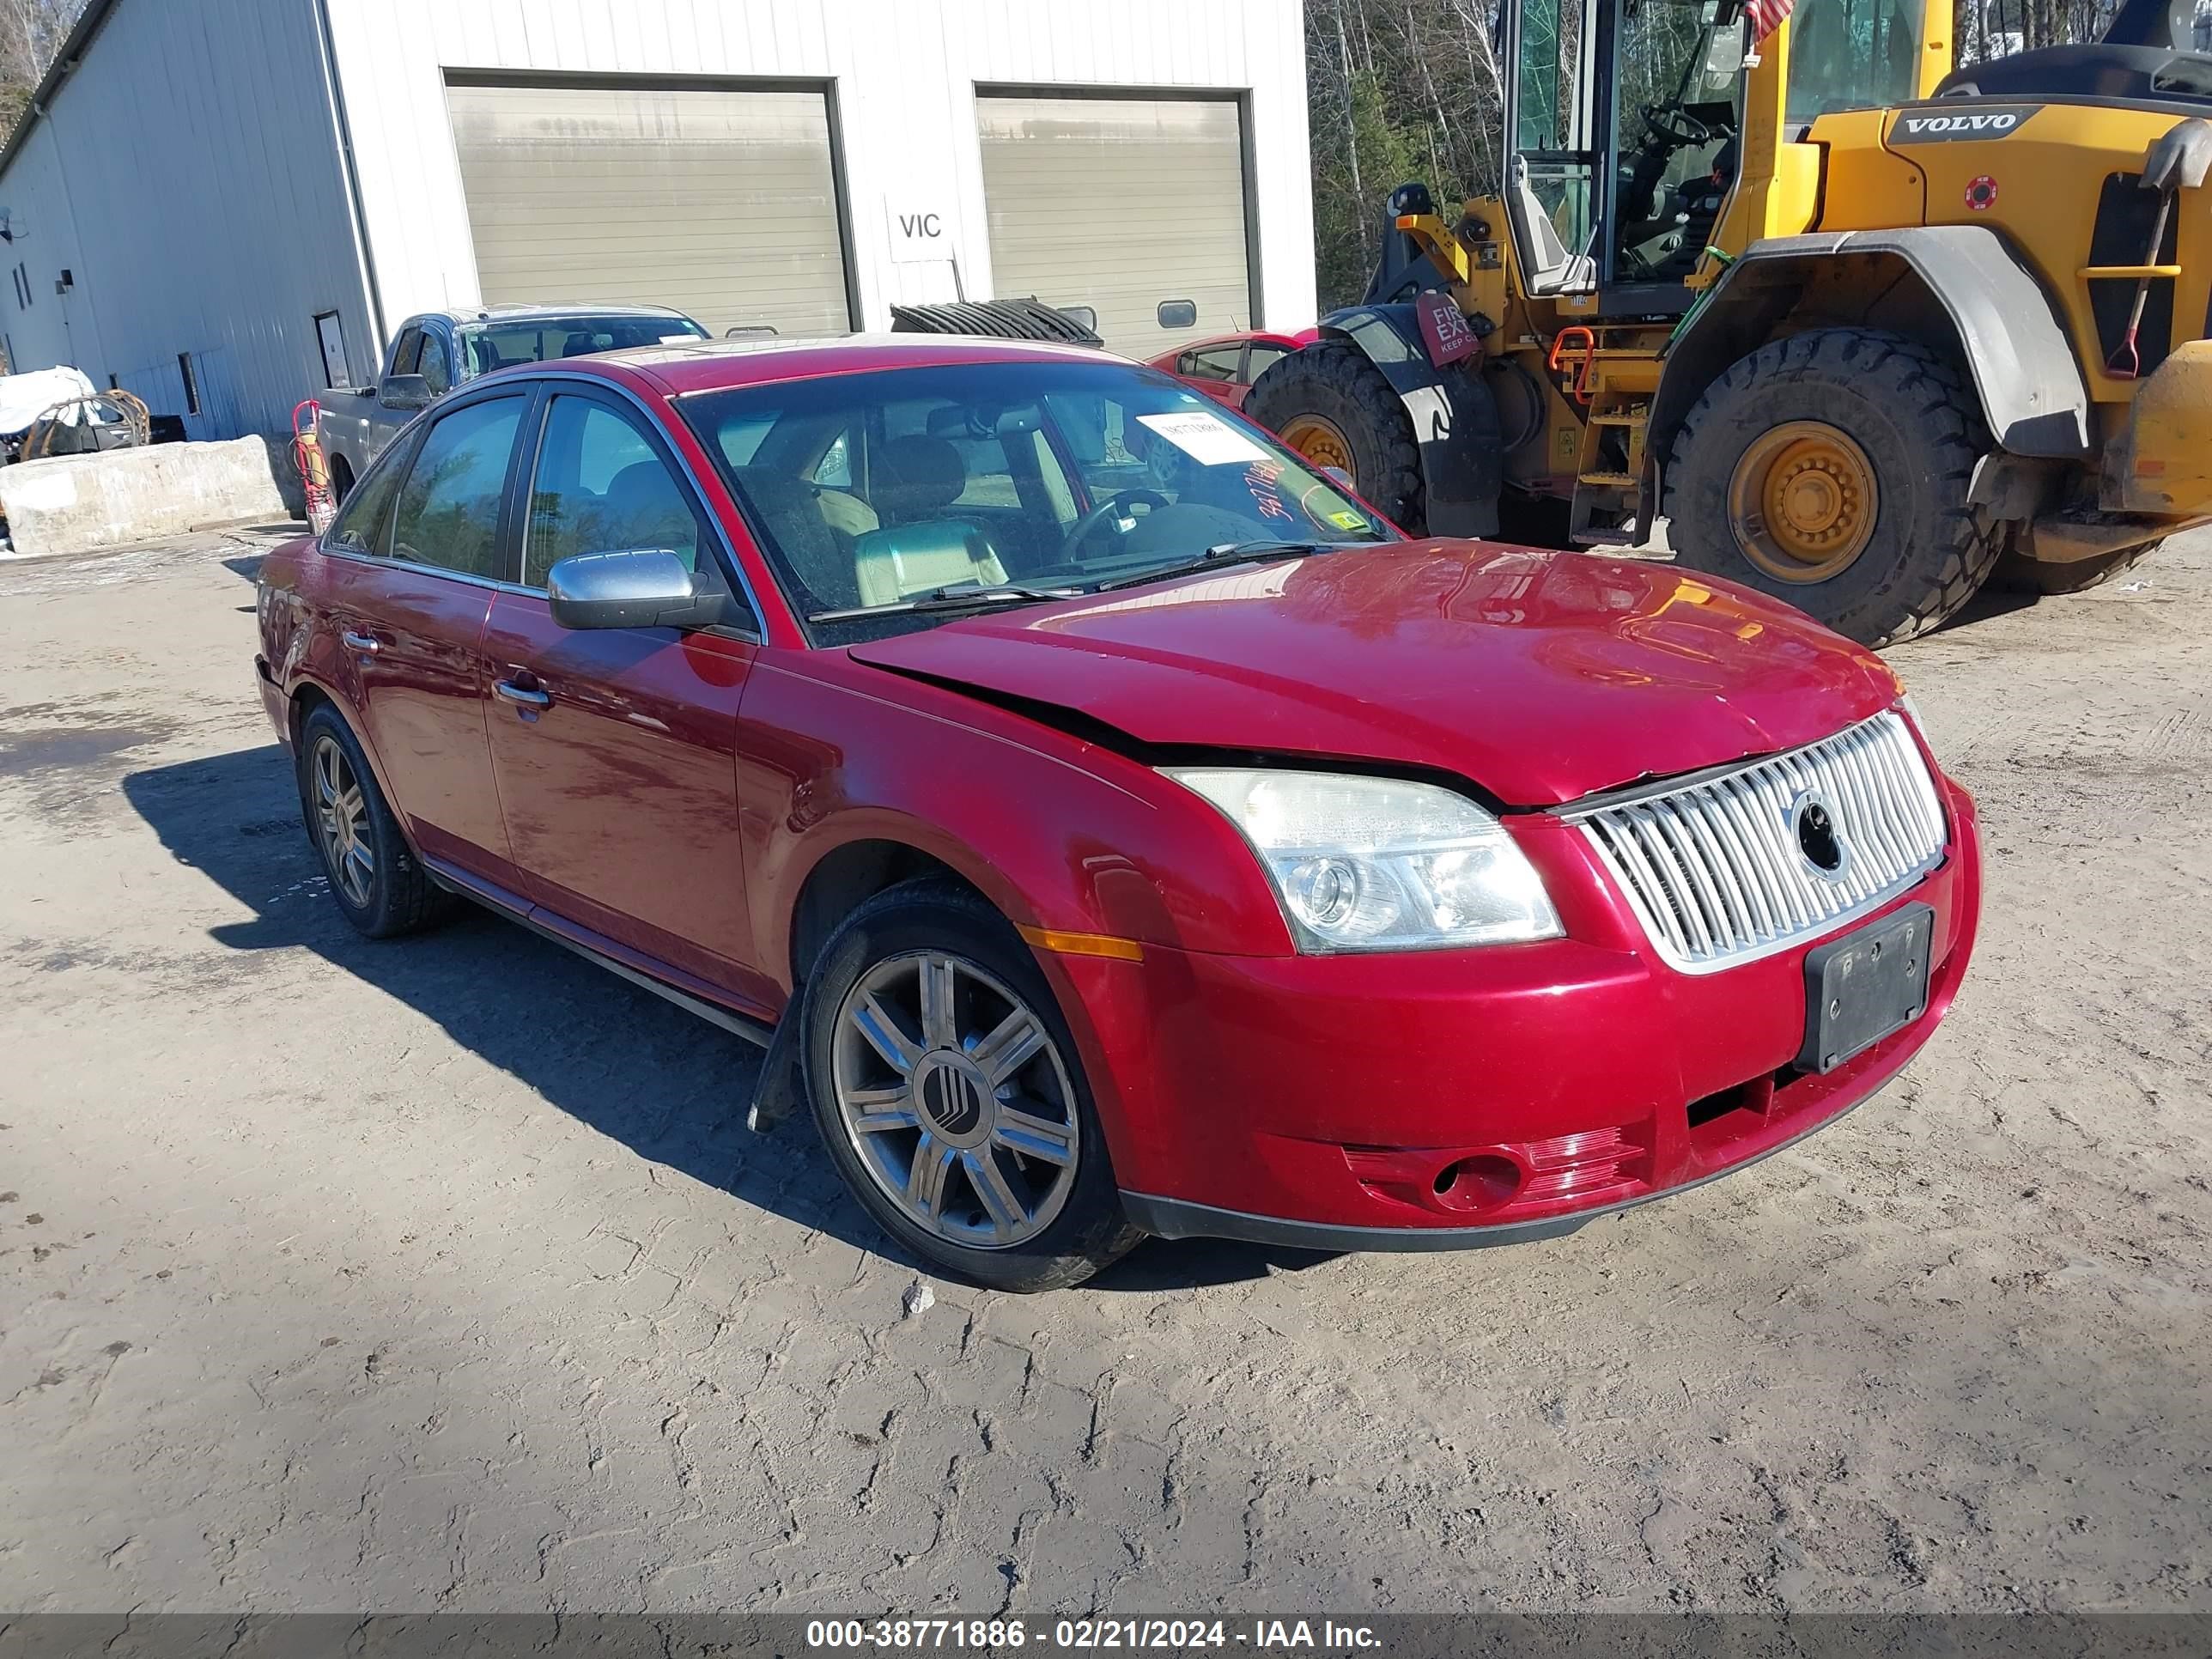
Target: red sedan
<point x="1223" y="368"/>
<point x="1109" y="826"/>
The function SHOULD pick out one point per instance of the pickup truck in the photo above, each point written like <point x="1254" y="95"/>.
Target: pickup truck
<point x="437" y="350"/>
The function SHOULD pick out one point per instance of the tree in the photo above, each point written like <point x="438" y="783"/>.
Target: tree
<point x="31" y="36"/>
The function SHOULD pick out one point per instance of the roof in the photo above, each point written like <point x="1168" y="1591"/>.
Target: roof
<point x="711" y="365"/>
<point x="64" y="64"/>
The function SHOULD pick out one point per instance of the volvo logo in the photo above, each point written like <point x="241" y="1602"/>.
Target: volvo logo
<point x="951" y="1096"/>
<point x="1927" y="126"/>
<point x="1819" y="838"/>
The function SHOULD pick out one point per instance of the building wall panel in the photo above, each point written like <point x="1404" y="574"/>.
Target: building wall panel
<point x="187" y="175"/>
<point x="903" y="74"/>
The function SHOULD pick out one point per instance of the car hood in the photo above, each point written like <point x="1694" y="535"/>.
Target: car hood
<point x="1539" y="677"/>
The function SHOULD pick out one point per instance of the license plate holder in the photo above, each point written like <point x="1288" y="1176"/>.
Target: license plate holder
<point x="1865" y="985"/>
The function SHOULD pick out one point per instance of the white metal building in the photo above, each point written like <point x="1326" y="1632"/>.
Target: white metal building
<point x="227" y="205"/>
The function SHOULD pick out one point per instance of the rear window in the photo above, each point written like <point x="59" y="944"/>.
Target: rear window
<point x="548" y="339"/>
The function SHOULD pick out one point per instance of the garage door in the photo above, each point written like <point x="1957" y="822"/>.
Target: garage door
<point x="1120" y="204"/>
<point x="721" y="203"/>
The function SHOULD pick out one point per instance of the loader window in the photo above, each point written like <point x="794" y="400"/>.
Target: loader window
<point x="1852" y="54"/>
<point x="1554" y="168"/>
<point x="1678" y="72"/>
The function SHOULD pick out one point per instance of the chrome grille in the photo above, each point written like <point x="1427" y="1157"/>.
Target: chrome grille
<point x="1715" y="866"/>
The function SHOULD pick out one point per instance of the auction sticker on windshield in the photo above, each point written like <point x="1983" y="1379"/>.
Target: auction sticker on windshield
<point x="1208" y="441"/>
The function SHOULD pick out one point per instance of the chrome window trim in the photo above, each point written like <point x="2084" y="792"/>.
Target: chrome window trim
<point x="1720" y="868"/>
<point x="466" y="577"/>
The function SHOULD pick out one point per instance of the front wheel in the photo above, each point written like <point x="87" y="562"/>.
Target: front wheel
<point x="948" y="1091"/>
<point x="1832" y="469"/>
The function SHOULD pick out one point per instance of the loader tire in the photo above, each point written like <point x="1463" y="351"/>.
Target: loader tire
<point x="1331" y="403"/>
<point x="2019" y="575"/>
<point x="1832" y="469"/>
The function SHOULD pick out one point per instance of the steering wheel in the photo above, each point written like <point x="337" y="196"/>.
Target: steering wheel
<point x="1121" y="501"/>
<point x="1676" y="126"/>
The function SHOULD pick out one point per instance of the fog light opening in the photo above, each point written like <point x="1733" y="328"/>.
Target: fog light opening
<point x="1480" y="1182"/>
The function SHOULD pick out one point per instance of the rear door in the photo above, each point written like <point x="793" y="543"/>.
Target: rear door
<point x="614" y="749"/>
<point x="415" y="560"/>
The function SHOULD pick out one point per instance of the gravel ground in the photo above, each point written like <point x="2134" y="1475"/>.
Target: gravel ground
<point x="443" y="1274"/>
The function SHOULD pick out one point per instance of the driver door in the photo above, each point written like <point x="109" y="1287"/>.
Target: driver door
<point x="614" y="749"/>
<point x="1551" y="169"/>
<point x="1672" y="88"/>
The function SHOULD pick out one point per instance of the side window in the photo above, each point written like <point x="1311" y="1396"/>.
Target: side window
<point x="1259" y="358"/>
<point x="435" y="367"/>
<point x="1218" y="364"/>
<point x="601" y="488"/>
<point x="408" y="356"/>
<point x="359" y="526"/>
<point x="448" y="510"/>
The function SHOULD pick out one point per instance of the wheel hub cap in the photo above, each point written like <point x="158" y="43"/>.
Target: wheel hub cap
<point x="955" y="1099"/>
<point x="1802" y="501"/>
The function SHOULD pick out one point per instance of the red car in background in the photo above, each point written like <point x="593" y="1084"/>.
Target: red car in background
<point x="1225" y="367"/>
<point x="1110" y="826"/>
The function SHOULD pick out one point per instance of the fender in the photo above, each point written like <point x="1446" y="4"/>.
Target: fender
<point x="2008" y="333"/>
<point x="1455" y="416"/>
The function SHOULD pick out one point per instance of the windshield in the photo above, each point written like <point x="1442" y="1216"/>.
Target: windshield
<point x="1852" y="54"/>
<point x="546" y="339"/>
<point x="871" y="492"/>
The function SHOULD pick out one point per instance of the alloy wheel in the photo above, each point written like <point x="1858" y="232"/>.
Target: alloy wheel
<point x="956" y="1097"/>
<point x="342" y="822"/>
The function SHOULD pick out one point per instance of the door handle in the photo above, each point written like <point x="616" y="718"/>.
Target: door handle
<point x="527" y="696"/>
<point x="359" y="642"/>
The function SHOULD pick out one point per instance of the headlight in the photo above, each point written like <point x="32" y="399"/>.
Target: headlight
<point x="1378" y="864"/>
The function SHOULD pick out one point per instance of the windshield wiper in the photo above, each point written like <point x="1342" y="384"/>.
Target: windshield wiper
<point x="951" y="599"/>
<point x="1231" y="553"/>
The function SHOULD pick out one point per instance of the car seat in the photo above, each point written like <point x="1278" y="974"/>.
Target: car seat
<point x="794" y="533"/>
<point x="917" y="477"/>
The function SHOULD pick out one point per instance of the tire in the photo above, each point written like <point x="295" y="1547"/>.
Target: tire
<point x="2028" y="576"/>
<point x="1920" y="432"/>
<point x="1070" y="1222"/>
<point x="1333" y="382"/>
<point x="395" y="895"/>
<point x="340" y="480"/>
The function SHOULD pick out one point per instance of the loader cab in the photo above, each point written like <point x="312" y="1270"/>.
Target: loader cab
<point x="1625" y="117"/>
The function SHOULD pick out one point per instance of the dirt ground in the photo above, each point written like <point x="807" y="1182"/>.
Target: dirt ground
<point x="443" y="1274"/>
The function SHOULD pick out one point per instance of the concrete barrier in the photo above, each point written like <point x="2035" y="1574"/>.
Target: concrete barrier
<point x="71" y="503"/>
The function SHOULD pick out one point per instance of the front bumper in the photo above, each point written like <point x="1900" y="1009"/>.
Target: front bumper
<point x="1323" y="1101"/>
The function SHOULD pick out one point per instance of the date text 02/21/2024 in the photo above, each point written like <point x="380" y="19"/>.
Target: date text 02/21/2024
<point x="1087" y="1634"/>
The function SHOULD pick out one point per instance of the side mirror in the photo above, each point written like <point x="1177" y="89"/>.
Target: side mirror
<point x="404" y="391"/>
<point x="635" y="587"/>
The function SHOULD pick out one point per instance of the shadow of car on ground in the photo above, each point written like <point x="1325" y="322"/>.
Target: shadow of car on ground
<point x="663" y="1083"/>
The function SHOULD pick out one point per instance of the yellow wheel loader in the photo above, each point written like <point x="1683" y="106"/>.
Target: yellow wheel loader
<point x="1864" y="330"/>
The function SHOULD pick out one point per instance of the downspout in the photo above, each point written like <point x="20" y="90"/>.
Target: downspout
<point x="363" y="251"/>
